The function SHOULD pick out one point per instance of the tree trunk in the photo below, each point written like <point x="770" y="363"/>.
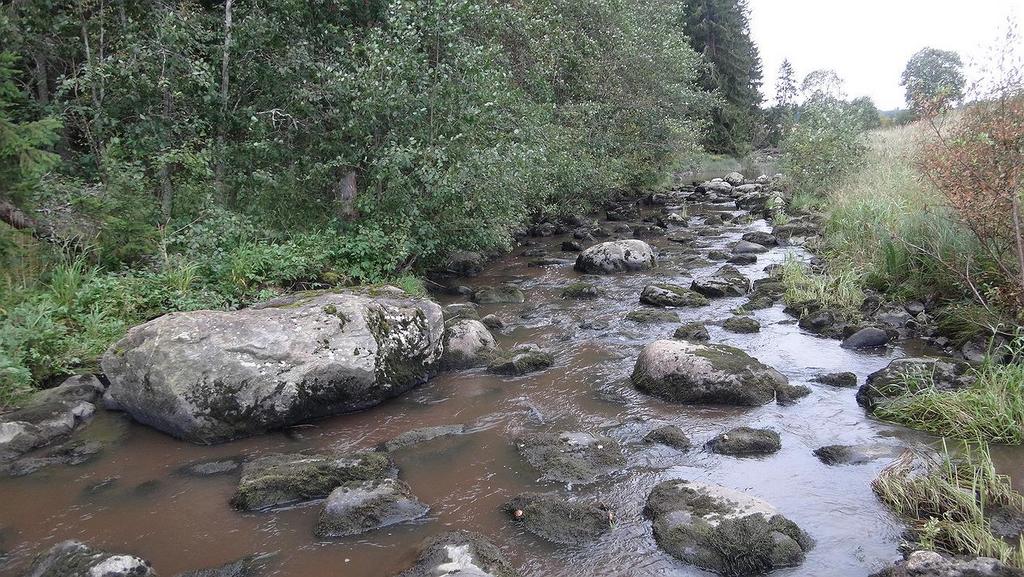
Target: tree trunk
<point x="218" y="167"/>
<point x="15" y="217"/>
<point x="41" y="77"/>
<point x="1017" y="232"/>
<point x="166" y="186"/>
<point x="345" y="194"/>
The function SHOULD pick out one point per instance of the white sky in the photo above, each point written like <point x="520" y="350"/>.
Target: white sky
<point x="868" y="42"/>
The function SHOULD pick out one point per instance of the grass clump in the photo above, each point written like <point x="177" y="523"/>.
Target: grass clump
<point x="839" y="292"/>
<point x="948" y="502"/>
<point x="990" y="409"/>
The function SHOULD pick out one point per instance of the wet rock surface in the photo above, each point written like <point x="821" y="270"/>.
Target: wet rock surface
<point x="866" y="338"/>
<point x="741" y="324"/>
<point x="422" y="435"/>
<point x="521" y="360"/>
<point x="723" y="530"/>
<point x="279" y="480"/>
<point x="665" y="295"/>
<point x="76" y="559"/>
<point x="841" y="379"/>
<point x="616" y="256"/>
<point x="670" y="436"/>
<point x="932" y="564"/>
<point x="467" y="343"/>
<point x="571" y="457"/>
<point x="856" y="454"/>
<point x="460" y="554"/>
<point x="904" y="374"/>
<point x="559" y="520"/>
<point x="728" y="281"/>
<point x="48" y="416"/>
<point x="498" y="295"/>
<point x="210" y="376"/>
<point x="694" y="373"/>
<point x="696" y="332"/>
<point x="356" y="508"/>
<point x="745" y="441"/>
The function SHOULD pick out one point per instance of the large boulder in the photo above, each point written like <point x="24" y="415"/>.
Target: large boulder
<point x="278" y="480"/>
<point x="76" y="559"/>
<point x="467" y="343"/>
<point x="560" y="520"/>
<point x="570" y="457"/>
<point x="727" y="281"/>
<point x="694" y="373"/>
<point x="211" y="376"/>
<point x="357" y="508"/>
<point x="901" y="375"/>
<point x="734" y="178"/>
<point x="460" y="554"/>
<point x="866" y="338"/>
<point x="932" y="564"/>
<point x="667" y="295"/>
<point x="616" y="256"/>
<point x="723" y="530"/>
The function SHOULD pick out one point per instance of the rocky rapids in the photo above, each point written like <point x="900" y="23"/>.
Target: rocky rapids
<point x="620" y="396"/>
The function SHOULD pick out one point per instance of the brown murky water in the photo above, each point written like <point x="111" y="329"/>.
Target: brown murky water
<point x="131" y="499"/>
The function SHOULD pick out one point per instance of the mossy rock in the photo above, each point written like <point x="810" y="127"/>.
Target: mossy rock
<point x="421" y="435"/>
<point x="571" y="457"/>
<point x="503" y="294"/>
<point x="667" y="295"/>
<point x="787" y="394"/>
<point x="556" y="519"/>
<point x="76" y="559"/>
<point x="696" y="332"/>
<point x="460" y="553"/>
<point x="521" y="360"/>
<point x="356" y="508"/>
<point x="278" y="480"/>
<point x="670" y="436"/>
<point x="742" y="324"/>
<point x="745" y="441"/>
<point x="723" y="530"/>
<point x="651" y="316"/>
<point x="581" y="291"/>
<point x="844" y="379"/>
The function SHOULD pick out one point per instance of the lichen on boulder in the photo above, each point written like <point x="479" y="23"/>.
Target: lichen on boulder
<point x="559" y="520"/>
<point x="570" y="457"/>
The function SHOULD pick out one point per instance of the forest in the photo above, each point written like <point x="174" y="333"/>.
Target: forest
<point x="212" y="211"/>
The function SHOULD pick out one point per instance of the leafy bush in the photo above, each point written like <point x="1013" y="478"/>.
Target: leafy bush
<point x="824" y="146"/>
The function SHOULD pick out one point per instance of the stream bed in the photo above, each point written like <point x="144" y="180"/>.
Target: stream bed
<point x="133" y="499"/>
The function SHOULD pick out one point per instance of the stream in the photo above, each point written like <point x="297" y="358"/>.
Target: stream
<point x="132" y="498"/>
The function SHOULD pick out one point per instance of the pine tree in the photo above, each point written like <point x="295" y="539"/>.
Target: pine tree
<point x="785" y="86"/>
<point x="720" y="31"/>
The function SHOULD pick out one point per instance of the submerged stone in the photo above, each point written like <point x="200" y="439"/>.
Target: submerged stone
<point x="499" y="295"/>
<point x="422" y="435"/>
<point x="570" y="457"/>
<point x="647" y="316"/>
<point x="856" y="454"/>
<point x="556" y="519"/>
<point x="521" y="360"/>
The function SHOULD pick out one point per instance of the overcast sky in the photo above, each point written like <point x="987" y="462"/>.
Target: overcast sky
<point x="868" y="42"/>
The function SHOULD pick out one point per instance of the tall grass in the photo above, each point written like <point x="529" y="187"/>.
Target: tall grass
<point x="838" y="291"/>
<point x="991" y="409"/>
<point x="948" y="501"/>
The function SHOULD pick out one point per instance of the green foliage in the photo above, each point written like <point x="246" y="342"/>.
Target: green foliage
<point x="933" y="77"/>
<point x="720" y="31"/>
<point x="991" y="409"/>
<point x="839" y="292"/>
<point x="949" y="501"/>
<point x="824" y="146"/>
<point x="866" y="111"/>
<point x="23" y="142"/>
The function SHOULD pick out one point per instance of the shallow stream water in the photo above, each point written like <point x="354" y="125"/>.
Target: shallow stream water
<point x="131" y="500"/>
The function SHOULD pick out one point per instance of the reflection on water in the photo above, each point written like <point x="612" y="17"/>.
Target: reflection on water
<point x="132" y="500"/>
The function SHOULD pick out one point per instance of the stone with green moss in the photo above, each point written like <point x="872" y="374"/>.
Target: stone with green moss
<point x="692" y="332"/>
<point x="745" y="441"/>
<point x="617" y="256"/>
<point x="670" y="436"/>
<point x="742" y="324"/>
<point x="76" y="559"/>
<point x="667" y="295"/>
<point x="727" y="281"/>
<point x="467" y="343"/>
<point x="559" y="520"/>
<point x="521" y="360"/>
<point x="279" y="480"/>
<point x="460" y="553"/>
<point x="723" y="530"/>
<point x="502" y="294"/>
<point x="359" y="507"/>
<point x="581" y="291"/>
<point x="650" y="316"/>
<point x="571" y="457"/>
<point x="695" y="373"/>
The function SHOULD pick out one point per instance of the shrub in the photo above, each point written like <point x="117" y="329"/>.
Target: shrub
<point x="823" y="147"/>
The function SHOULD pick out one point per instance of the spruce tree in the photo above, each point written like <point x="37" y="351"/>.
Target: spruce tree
<point x="720" y="31"/>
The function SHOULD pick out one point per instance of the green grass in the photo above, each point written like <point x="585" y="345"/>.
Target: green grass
<point x="991" y="409"/>
<point x="839" y="292"/>
<point x="947" y="501"/>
